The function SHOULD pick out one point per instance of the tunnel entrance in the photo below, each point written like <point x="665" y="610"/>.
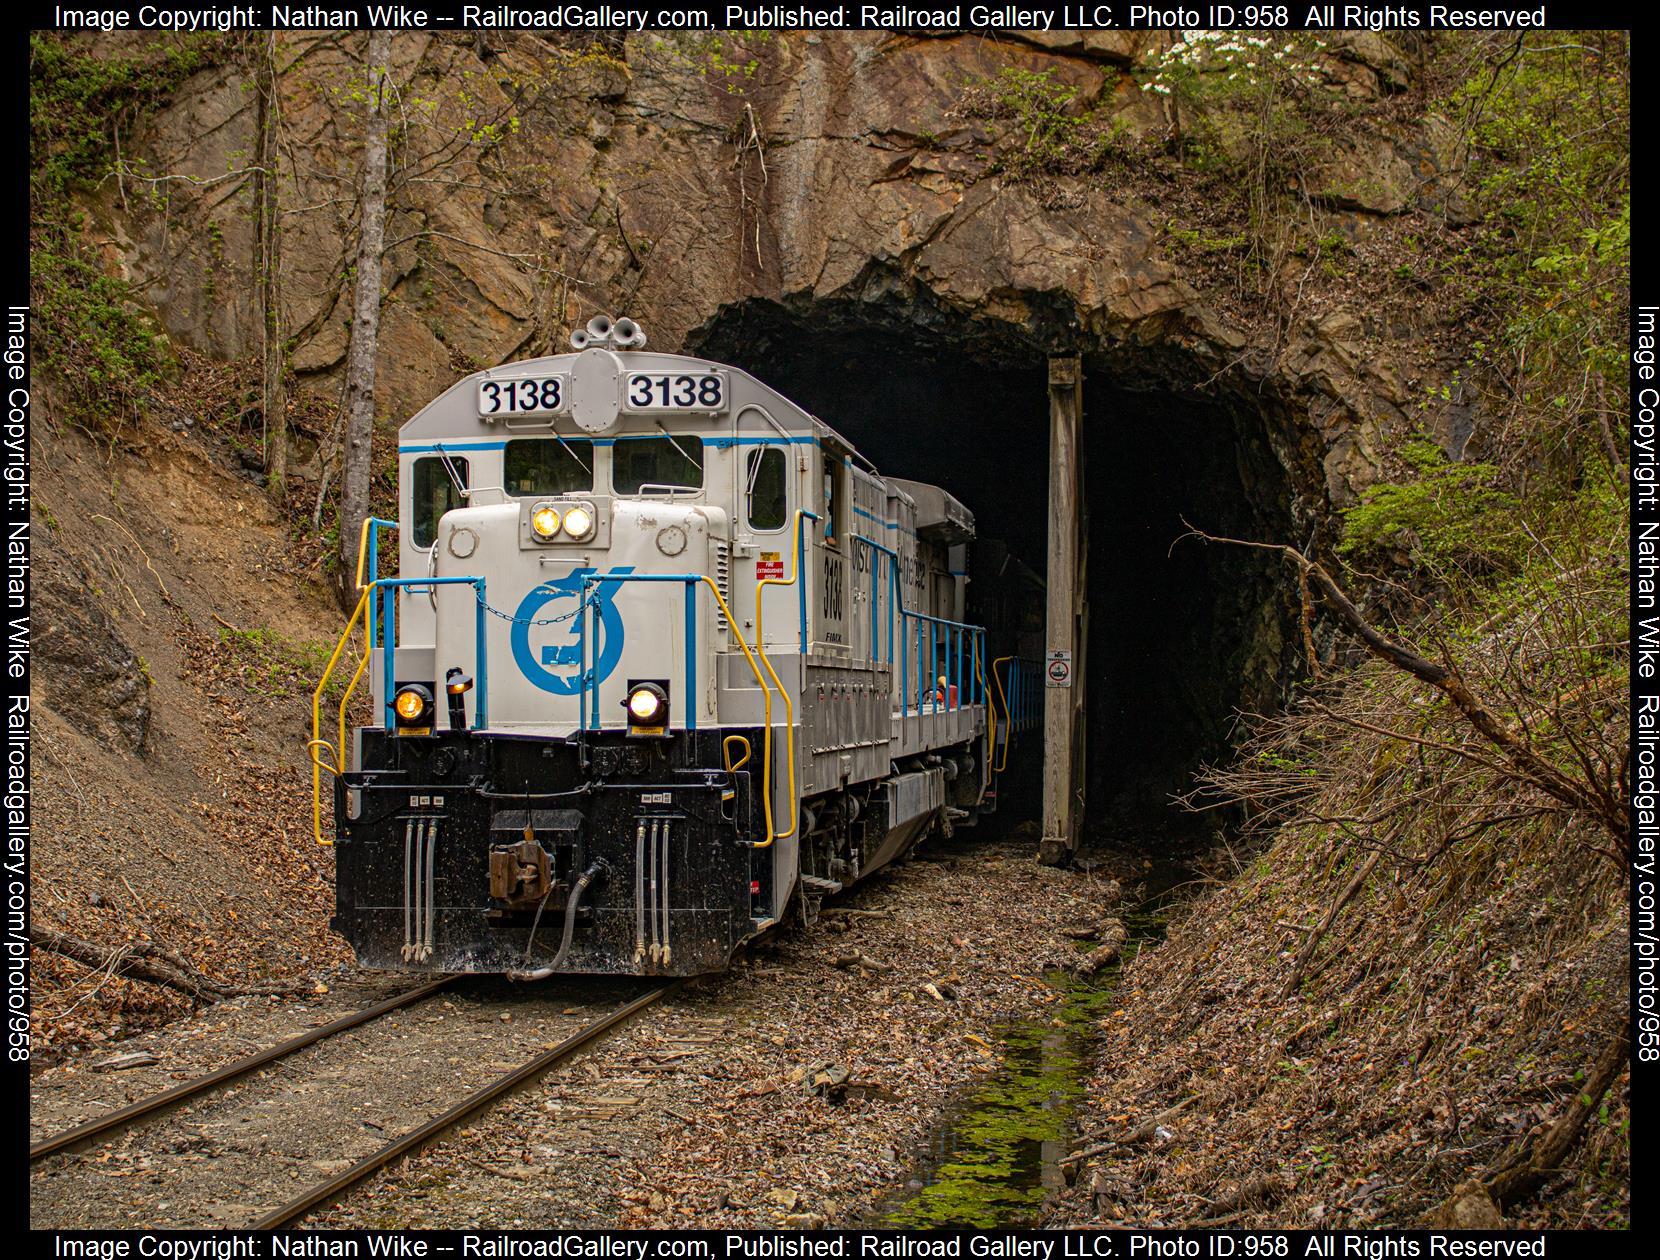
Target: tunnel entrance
<point x="1177" y="641"/>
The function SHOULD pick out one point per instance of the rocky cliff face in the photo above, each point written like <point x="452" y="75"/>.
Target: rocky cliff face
<point x="846" y="177"/>
<point x="826" y="208"/>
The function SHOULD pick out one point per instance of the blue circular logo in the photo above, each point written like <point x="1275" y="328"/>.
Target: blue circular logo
<point x="603" y="653"/>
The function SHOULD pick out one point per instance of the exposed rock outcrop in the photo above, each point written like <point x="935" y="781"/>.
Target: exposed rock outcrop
<point x="87" y="671"/>
<point x="665" y="177"/>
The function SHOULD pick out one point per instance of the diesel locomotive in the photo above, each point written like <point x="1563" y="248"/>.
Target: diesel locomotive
<point x="663" y="652"/>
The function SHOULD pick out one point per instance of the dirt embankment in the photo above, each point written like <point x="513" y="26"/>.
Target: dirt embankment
<point x="1449" y="1013"/>
<point x="177" y="639"/>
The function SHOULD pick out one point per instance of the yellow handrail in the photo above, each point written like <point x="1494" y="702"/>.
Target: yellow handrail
<point x="1008" y="724"/>
<point x="363" y="551"/>
<point x="365" y="609"/>
<point x="766" y="770"/>
<point x="346" y="699"/>
<point x="726" y="753"/>
<point x="317" y="742"/>
<point x="789" y="708"/>
<point x="991" y="710"/>
<point x="336" y="765"/>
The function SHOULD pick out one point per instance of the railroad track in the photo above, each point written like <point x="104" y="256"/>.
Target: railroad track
<point x="324" y="1192"/>
<point x="126" y="1117"/>
<point x="475" y="1102"/>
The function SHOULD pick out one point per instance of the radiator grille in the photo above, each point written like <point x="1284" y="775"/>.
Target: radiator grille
<point x="723" y="579"/>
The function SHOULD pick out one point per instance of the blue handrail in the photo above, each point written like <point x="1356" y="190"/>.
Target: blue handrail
<point x="876" y="594"/>
<point x="370" y="563"/>
<point x="1024" y="694"/>
<point x="388" y="589"/>
<point x="586" y="681"/>
<point x="376" y="524"/>
<point x="802" y="517"/>
<point x="961" y="640"/>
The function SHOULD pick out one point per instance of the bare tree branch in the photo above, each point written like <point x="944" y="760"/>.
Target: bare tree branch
<point x="1525" y="762"/>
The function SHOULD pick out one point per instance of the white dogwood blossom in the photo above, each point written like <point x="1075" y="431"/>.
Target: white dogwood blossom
<point x="1238" y="53"/>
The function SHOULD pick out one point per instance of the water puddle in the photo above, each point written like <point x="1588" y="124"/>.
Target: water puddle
<point x="996" y="1157"/>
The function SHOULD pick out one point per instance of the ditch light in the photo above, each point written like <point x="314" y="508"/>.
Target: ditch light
<point x="648" y="709"/>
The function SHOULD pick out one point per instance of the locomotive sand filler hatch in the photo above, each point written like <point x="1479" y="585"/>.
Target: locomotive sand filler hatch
<point x="720" y="662"/>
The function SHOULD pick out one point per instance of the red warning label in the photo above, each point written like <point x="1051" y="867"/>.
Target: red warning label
<point x="770" y="565"/>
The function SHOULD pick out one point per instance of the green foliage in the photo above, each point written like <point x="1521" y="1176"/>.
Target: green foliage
<point x="724" y="57"/>
<point x="1580" y="534"/>
<point x="1194" y="239"/>
<point x="1240" y="102"/>
<point x="1448" y="514"/>
<point x="1544" y="278"/>
<point x="1549" y="270"/>
<point x="1045" y="126"/>
<point x="1257" y="112"/>
<point x="79" y="103"/>
<point x="474" y="125"/>
<point x="273" y="665"/>
<point x="105" y="354"/>
<point x="1047" y="132"/>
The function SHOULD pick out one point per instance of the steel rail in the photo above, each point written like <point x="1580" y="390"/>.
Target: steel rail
<point x="126" y="1116"/>
<point x="474" y="1102"/>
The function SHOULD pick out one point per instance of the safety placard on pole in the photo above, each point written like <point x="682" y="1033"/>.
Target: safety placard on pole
<point x="1057" y="668"/>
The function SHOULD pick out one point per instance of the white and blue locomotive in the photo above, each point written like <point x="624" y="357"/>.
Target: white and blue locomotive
<point x="663" y="652"/>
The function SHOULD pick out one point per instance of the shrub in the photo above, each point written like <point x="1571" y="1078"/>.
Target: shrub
<point x="1450" y="514"/>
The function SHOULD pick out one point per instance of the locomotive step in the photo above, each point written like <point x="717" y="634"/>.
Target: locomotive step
<point x="820" y="886"/>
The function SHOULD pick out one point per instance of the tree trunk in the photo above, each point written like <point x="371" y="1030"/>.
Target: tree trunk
<point x="1528" y="1167"/>
<point x="268" y="266"/>
<point x="360" y="363"/>
<point x="143" y="960"/>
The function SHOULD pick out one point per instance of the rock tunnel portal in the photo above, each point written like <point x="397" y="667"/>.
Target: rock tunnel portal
<point x="1179" y="637"/>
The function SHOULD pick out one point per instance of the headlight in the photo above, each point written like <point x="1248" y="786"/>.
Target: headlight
<point x="413" y="705"/>
<point x="648" y="709"/>
<point x="579" y="522"/>
<point x="544" y="522"/>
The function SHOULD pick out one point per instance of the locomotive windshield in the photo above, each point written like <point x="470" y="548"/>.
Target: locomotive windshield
<point x="533" y="466"/>
<point x="658" y="463"/>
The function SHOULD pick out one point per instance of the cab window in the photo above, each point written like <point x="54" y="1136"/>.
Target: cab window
<point x="835" y="498"/>
<point x="765" y="482"/>
<point x="534" y="466"/>
<point x="434" y="494"/>
<point x="643" y="464"/>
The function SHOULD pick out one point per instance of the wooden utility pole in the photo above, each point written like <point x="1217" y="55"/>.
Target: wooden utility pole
<point x="1063" y="685"/>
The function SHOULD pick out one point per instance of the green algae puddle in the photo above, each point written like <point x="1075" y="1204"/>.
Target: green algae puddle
<point x="998" y="1155"/>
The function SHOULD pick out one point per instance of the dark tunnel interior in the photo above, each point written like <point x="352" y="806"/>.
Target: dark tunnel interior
<point x="1180" y="637"/>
